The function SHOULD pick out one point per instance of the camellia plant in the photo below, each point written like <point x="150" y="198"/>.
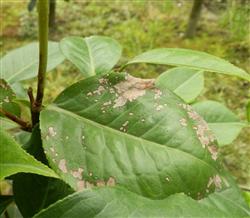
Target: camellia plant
<point x="113" y="145"/>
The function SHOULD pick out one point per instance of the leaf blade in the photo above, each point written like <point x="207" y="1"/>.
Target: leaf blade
<point x="14" y="159"/>
<point x="83" y="141"/>
<point x="22" y="63"/>
<point x="115" y="202"/>
<point x="223" y="122"/>
<point x="184" y="82"/>
<point x="189" y="58"/>
<point x="91" y="55"/>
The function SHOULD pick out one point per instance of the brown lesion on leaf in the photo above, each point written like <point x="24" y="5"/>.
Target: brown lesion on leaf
<point x="51" y="131"/>
<point x="130" y="89"/>
<point x="83" y="184"/>
<point x="77" y="173"/>
<point x="62" y="166"/>
<point x="215" y="180"/>
<point x="202" y="130"/>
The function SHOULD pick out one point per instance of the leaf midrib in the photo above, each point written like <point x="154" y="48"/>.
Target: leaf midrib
<point x="188" y="80"/>
<point x="56" y="108"/>
<point x="242" y="74"/>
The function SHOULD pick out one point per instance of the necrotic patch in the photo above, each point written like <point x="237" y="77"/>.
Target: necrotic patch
<point x="130" y="89"/>
<point x="62" y="166"/>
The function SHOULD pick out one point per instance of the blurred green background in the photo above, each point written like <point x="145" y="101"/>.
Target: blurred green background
<point x="223" y="30"/>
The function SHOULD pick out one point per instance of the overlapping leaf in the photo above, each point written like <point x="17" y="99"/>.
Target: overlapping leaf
<point x="14" y="159"/>
<point x="117" y="202"/>
<point x="22" y="63"/>
<point x="223" y="122"/>
<point x="38" y="191"/>
<point x="190" y="58"/>
<point x="91" y="55"/>
<point x="123" y="130"/>
<point x="6" y="99"/>
<point x="184" y="82"/>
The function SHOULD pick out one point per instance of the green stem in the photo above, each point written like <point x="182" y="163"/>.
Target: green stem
<point x="43" y="11"/>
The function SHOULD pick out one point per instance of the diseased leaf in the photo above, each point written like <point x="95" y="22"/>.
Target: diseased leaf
<point x="14" y="159"/>
<point x="190" y="58"/>
<point x="121" y="130"/>
<point x="22" y="63"/>
<point x="229" y="200"/>
<point x="117" y="202"/>
<point x="184" y="82"/>
<point x="38" y="191"/>
<point x="91" y="55"/>
<point x="223" y="122"/>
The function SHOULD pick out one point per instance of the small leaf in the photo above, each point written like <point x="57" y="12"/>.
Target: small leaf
<point x="22" y="63"/>
<point x="14" y="159"/>
<point x="223" y="122"/>
<point x="118" y="202"/>
<point x="184" y="82"/>
<point x="91" y="55"/>
<point x="189" y="58"/>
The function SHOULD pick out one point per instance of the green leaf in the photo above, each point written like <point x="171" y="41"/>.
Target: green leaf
<point x="7" y="124"/>
<point x="4" y="202"/>
<point x="19" y="90"/>
<point x="91" y="55"/>
<point x="117" y="202"/>
<point x="189" y="58"/>
<point x="14" y="159"/>
<point x="22" y="63"/>
<point x="122" y="130"/>
<point x="229" y="200"/>
<point x="184" y="82"/>
<point x="223" y="122"/>
<point x="38" y="191"/>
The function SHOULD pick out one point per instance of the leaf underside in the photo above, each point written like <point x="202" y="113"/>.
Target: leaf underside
<point x="184" y="82"/>
<point x="190" y="58"/>
<point x="91" y="55"/>
<point x="22" y="63"/>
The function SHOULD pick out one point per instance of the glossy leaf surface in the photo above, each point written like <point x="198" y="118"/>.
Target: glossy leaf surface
<point x="184" y="82"/>
<point x="91" y="55"/>
<point x="38" y="191"/>
<point x="190" y="58"/>
<point x="123" y="130"/>
<point x="223" y="122"/>
<point x="22" y="63"/>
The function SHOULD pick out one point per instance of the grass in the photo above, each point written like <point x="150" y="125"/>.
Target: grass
<point x="143" y="25"/>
